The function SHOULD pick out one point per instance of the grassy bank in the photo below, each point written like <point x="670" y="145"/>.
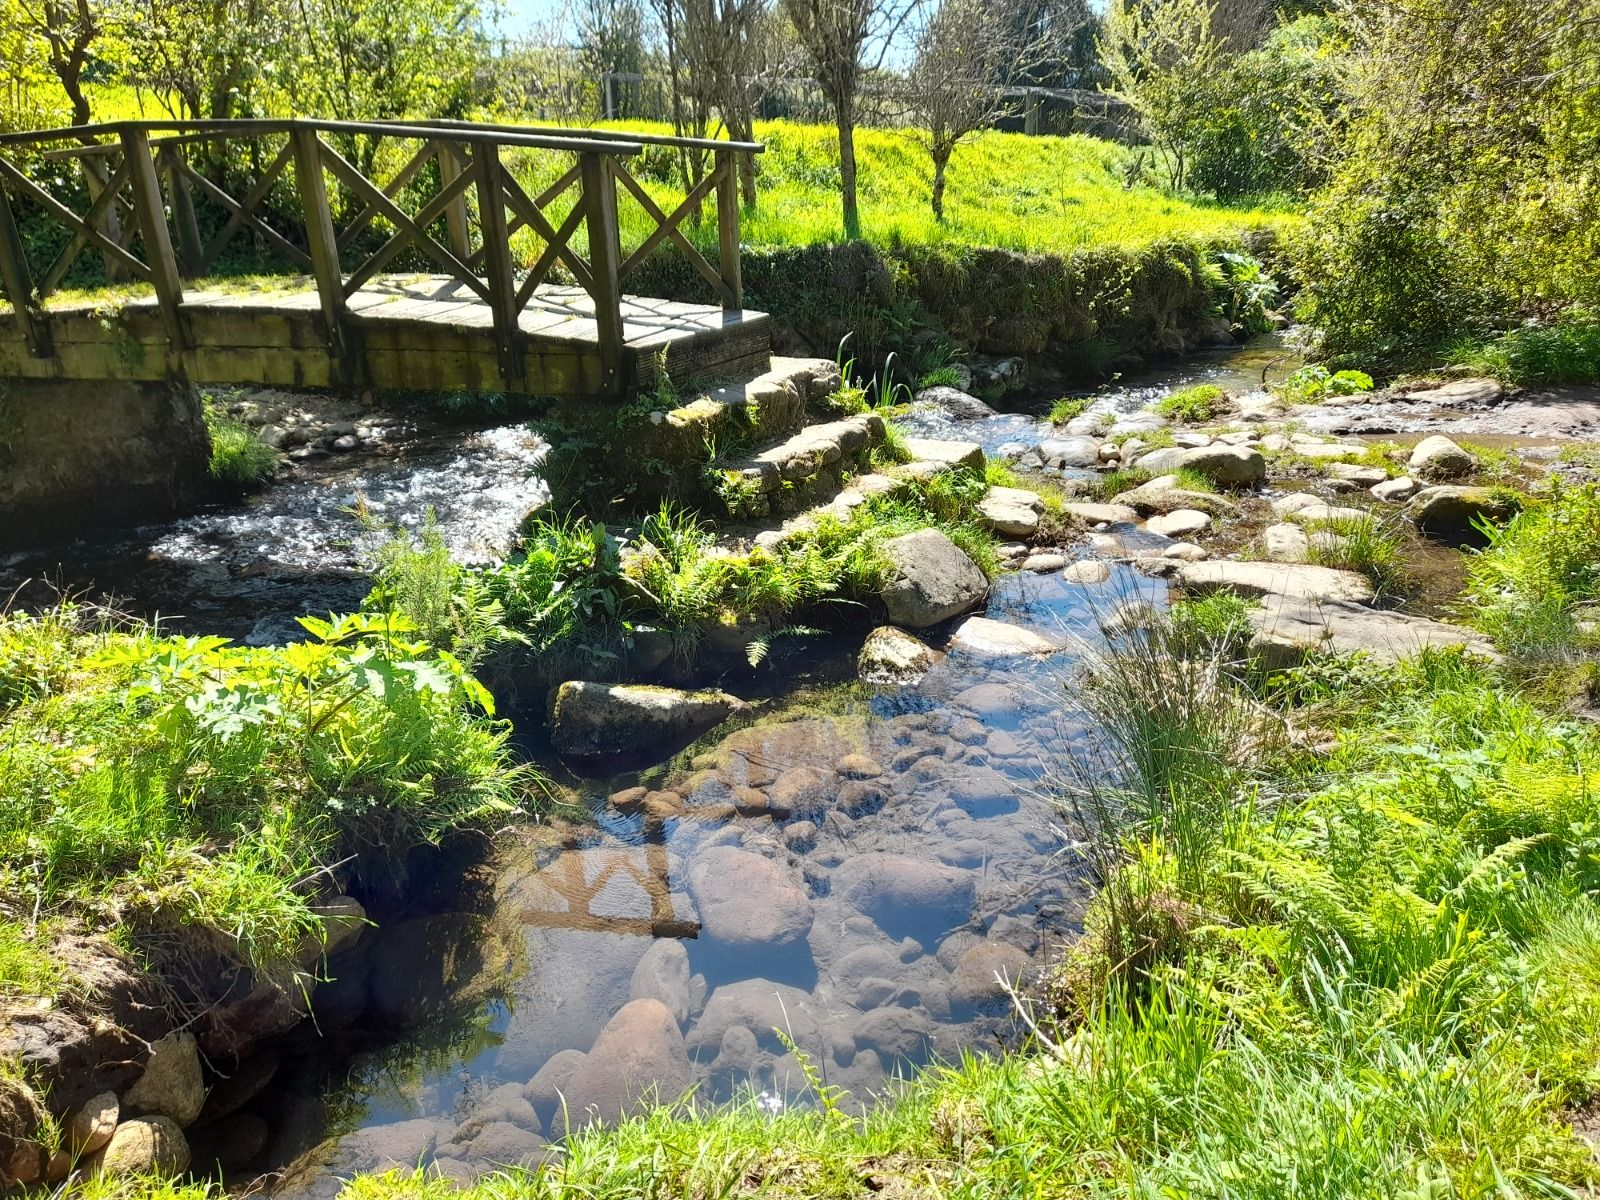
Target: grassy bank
<point x="183" y="793"/>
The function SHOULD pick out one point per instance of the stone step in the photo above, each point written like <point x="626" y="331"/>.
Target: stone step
<point x="804" y="467"/>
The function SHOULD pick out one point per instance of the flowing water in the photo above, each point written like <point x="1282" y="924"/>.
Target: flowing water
<point x="858" y="867"/>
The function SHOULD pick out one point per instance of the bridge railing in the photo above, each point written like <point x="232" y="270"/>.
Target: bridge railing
<point x="142" y="218"/>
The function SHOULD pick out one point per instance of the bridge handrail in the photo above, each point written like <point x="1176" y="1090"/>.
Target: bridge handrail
<point x="620" y="135"/>
<point x="468" y="156"/>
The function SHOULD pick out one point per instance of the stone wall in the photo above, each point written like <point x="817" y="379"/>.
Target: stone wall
<point x="76" y="457"/>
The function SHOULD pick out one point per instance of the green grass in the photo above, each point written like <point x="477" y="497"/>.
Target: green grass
<point x="1565" y="352"/>
<point x="237" y="456"/>
<point x="1373" y="546"/>
<point x="1529" y="588"/>
<point x="1497" y="465"/>
<point x="1193" y="404"/>
<point x="1068" y="407"/>
<point x="174" y="792"/>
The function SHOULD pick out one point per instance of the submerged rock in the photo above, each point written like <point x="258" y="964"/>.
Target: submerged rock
<point x="748" y="902"/>
<point x="891" y="655"/>
<point x="898" y="891"/>
<point x="1275" y="579"/>
<point x="638" y="1058"/>
<point x="999" y="639"/>
<point x="594" y="719"/>
<point x="931" y="580"/>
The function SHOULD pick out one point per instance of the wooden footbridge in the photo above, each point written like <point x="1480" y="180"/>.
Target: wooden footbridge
<point x="544" y="314"/>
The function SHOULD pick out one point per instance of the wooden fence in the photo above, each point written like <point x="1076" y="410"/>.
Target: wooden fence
<point x="143" y="189"/>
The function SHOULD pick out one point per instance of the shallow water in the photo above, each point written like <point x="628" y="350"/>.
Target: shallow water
<point x="855" y="871"/>
<point x="306" y="545"/>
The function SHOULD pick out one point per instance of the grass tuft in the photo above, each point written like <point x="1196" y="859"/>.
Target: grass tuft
<point x="1193" y="404"/>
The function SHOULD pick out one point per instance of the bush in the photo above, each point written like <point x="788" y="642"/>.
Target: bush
<point x="1313" y="384"/>
<point x="237" y="456"/>
<point x="1567" y="351"/>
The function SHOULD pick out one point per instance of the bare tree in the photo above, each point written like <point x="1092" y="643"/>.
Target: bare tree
<point x="970" y="54"/>
<point x="843" y="40"/>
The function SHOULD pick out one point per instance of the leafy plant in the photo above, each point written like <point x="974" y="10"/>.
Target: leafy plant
<point x="1194" y="404"/>
<point x="1315" y="383"/>
<point x="1068" y="407"/>
<point x="1533" y="355"/>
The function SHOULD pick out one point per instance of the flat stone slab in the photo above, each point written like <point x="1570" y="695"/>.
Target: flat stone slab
<point x="1012" y="512"/>
<point x="806" y="453"/>
<point x="997" y="639"/>
<point x="1108" y="514"/>
<point x="1276" y="579"/>
<point x="1288" y="628"/>
<point x="947" y="452"/>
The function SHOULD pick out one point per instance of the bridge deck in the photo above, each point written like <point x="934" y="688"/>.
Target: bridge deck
<point x="411" y="332"/>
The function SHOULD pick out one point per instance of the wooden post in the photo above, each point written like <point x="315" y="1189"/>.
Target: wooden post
<point x="151" y="214"/>
<point x="605" y="254"/>
<point x="191" y="249"/>
<point x="324" y="245"/>
<point x="497" y="267"/>
<point x="728" y="229"/>
<point x="455" y="216"/>
<point x="18" y="282"/>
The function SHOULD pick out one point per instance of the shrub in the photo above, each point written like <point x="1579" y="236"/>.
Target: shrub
<point x="237" y="456"/>
<point x="1567" y="351"/>
<point x="1313" y="384"/>
<point x="1195" y="404"/>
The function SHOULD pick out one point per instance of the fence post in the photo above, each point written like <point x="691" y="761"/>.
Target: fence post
<point x="456" y="215"/>
<point x="191" y="249"/>
<point x="151" y="214"/>
<point x="324" y="245"/>
<point x="727" y="167"/>
<point x="497" y="267"/>
<point x="605" y="255"/>
<point x="18" y="282"/>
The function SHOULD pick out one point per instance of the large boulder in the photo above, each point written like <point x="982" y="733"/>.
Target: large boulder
<point x="171" y="1085"/>
<point x="748" y="902"/>
<point x="590" y="720"/>
<point x="1448" y="508"/>
<point x="931" y="579"/>
<point x="891" y="655"/>
<point x="1275" y="579"/>
<point x="1289" y="628"/>
<point x="144" y="1146"/>
<point x="1069" y="451"/>
<point x="1437" y="457"/>
<point x="1225" y="466"/>
<point x="898" y="891"/>
<point x="638" y="1057"/>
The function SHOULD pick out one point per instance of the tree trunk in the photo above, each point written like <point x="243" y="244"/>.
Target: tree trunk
<point x="845" y="115"/>
<point x="941" y="160"/>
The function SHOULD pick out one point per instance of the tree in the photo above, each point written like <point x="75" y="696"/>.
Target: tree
<point x="612" y="37"/>
<point x="68" y="32"/>
<point x="969" y="53"/>
<point x="836" y="36"/>
<point x="1164" y="61"/>
<point x="208" y="59"/>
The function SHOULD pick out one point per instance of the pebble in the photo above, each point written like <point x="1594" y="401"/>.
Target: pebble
<point x="1089" y="570"/>
<point x="1041" y="564"/>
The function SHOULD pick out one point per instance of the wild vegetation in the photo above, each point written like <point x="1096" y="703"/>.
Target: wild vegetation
<point x="167" y="791"/>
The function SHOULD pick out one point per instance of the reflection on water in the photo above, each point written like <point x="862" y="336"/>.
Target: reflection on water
<point x="859" y="875"/>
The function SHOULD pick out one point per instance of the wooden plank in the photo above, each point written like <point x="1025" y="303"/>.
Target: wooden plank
<point x="431" y="212"/>
<point x="728" y="229"/>
<point x="18" y="284"/>
<point x="247" y="207"/>
<point x="459" y="230"/>
<point x="151" y="214"/>
<point x="392" y="189"/>
<point x="533" y="217"/>
<point x="53" y="207"/>
<point x="324" y="244"/>
<point x="547" y="258"/>
<point x="668" y="227"/>
<point x="283" y="245"/>
<point x="91" y="220"/>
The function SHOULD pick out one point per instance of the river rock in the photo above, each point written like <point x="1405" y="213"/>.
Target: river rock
<point x="1285" y="542"/>
<point x="1453" y="509"/>
<point x="1180" y="522"/>
<point x="748" y="902"/>
<point x="896" y="1033"/>
<point x="593" y="719"/>
<point x="93" y="1124"/>
<point x="1043" y="564"/>
<point x="503" y="1144"/>
<point x="1438" y="457"/>
<point x="1286" y="506"/>
<point x="946" y="453"/>
<point x="1162" y="495"/>
<point x="663" y="974"/>
<point x="1287" y="629"/>
<point x="986" y="638"/>
<point x="1103" y="514"/>
<point x="1011" y="512"/>
<point x="901" y="893"/>
<point x="1282" y="579"/>
<point x="343" y="920"/>
<point x="548" y="1087"/>
<point x="1069" y="451"/>
<point x="1356" y="474"/>
<point x="893" y="656"/>
<point x="638" y="1056"/>
<point x="956" y="403"/>
<point x="230" y="1144"/>
<point x="992" y="700"/>
<point x="171" y="1085"/>
<point x="1393" y="491"/>
<point x="931" y="579"/>
<point x="1226" y="466"/>
<point x="1328" y="512"/>
<point x="805" y="792"/>
<point x="978" y="971"/>
<point x="1321" y="451"/>
<point x="144" y="1146"/>
<point x="1087" y="571"/>
<point x="233" y="1090"/>
<point x="762" y="1007"/>
<point x="1187" y="551"/>
<point x="1459" y="393"/>
<point x="397" y="1145"/>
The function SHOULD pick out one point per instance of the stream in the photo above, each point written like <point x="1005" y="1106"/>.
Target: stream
<point x="863" y="868"/>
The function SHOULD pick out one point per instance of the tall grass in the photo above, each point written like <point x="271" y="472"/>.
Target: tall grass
<point x="1372" y="545"/>
<point x="1567" y="351"/>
